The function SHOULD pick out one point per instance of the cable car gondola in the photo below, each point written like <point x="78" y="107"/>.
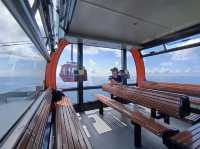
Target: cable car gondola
<point x="70" y="72"/>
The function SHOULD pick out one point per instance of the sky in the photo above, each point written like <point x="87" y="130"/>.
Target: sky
<point x="97" y="60"/>
<point x="22" y="60"/>
<point x="180" y="63"/>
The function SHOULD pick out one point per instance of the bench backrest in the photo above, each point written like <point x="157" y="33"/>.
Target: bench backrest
<point x="180" y="107"/>
<point x="187" y="89"/>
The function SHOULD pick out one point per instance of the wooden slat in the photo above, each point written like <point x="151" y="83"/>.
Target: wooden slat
<point x="189" y="139"/>
<point x="33" y="135"/>
<point x="136" y="117"/>
<point x="187" y="89"/>
<point x="193" y="118"/>
<point x="71" y="132"/>
<point x="163" y="103"/>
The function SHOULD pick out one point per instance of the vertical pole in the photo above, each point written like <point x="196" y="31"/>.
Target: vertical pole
<point x="153" y="113"/>
<point x="166" y="119"/>
<point x="124" y="62"/>
<point x="72" y="52"/>
<point x="137" y="135"/>
<point x="101" y="108"/>
<point x="80" y="83"/>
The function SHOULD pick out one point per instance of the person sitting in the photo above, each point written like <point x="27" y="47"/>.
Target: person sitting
<point x="124" y="76"/>
<point x="115" y="78"/>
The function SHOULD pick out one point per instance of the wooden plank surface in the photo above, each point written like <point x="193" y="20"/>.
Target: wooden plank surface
<point x="168" y="104"/>
<point x="69" y="132"/>
<point x="138" y="118"/>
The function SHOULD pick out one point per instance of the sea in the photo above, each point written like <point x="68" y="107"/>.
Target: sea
<point x="89" y="95"/>
<point x="11" y="110"/>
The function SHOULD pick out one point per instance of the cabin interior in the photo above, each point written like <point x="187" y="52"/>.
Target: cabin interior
<point x="56" y="57"/>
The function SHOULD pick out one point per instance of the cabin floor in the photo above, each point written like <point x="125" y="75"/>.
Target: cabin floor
<point x="114" y="131"/>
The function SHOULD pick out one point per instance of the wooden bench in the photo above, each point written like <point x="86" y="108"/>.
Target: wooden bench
<point x="176" y="89"/>
<point x="138" y="119"/>
<point x="69" y="132"/>
<point x="187" y="89"/>
<point x="189" y="139"/>
<point x="168" y="89"/>
<point x="34" y="134"/>
<point x="178" y="107"/>
<point x="193" y="118"/>
<point x="28" y="132"/>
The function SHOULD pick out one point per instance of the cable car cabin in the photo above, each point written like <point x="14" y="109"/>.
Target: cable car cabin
<point x="131" y="80"/>
<point x="67" y="72"/>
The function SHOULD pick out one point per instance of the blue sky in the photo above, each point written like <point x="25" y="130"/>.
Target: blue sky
<point x="180" y="63"/>
<point x="97" y="61"/>
<point x="21" y="60"/>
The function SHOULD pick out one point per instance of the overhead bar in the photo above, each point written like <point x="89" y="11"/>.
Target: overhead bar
<point x="35" y="6"/>
<point x="46" y="13"/>
<point x="172" y="50"/>
<point x="23" y="14"/>
<point x="69" y="12"/>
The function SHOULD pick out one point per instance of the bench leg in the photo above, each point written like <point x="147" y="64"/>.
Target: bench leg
<point x="101" y="108"/>
<point x="153" y="113"/>
<point x="166" y="119"/>
<point x="137" y="135"/>
<point x="111" y="96"/>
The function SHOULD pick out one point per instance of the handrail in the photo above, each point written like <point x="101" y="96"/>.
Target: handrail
<point x="90" y="87"/>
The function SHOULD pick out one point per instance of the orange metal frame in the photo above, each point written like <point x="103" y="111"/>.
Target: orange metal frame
<point x="50" y="75"/>
<point x="139" y="64"/>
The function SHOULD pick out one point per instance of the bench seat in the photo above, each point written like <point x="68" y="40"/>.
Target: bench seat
<point x="188" y="139"/>
<point x="29" y="130"/>
<point x="137" y="118"/>
<point x="69" y="132"/>
<point x="193" y="118"/>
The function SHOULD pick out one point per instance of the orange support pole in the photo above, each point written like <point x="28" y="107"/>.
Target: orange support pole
<point x="139" y="64"/>
<point x="50" y="75"/>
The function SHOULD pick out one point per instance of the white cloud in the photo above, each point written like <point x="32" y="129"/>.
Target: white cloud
<point x="11" y="31"/>
<point x="117" y="64"/>
<point x="26" y="52"/>
<point x="90" y="50"/>
<point x="20" y="60"/>
<point x="183" y="55"/>
<point x="164" y="64"/>
<point x="118" y="54"/>
<point x="189" y="42"/>
<point x="186" y="54"/>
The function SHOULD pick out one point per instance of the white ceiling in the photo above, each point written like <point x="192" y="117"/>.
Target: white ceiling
<point x="132" y="22"/>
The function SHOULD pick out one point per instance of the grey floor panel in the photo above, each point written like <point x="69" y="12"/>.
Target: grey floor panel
<point x="121" y="134"/>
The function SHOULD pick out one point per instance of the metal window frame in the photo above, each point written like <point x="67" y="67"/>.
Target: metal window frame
<point x="172" y="50"/>
<point x="23" y="14"/>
